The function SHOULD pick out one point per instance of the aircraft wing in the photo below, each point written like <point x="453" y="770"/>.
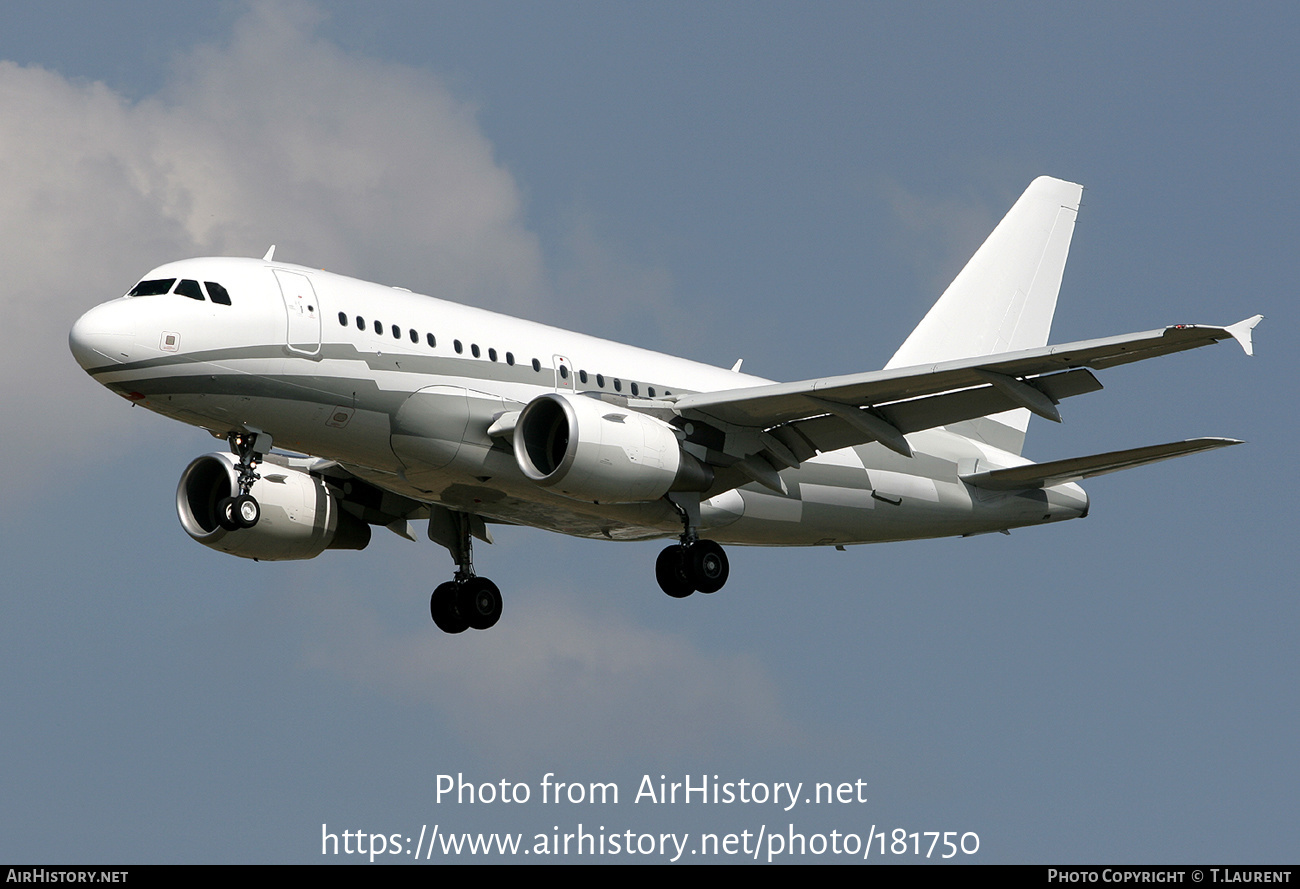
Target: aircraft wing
<point x="790" y="422"/>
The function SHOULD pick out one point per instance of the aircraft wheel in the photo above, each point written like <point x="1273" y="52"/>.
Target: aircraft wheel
<point x="671" y="574"/>
<point x="226" y="514"/>
<point x="706" y="566"/>
<point x="443" y="608"/>
<point x="479" y="602"/>
<point x="246" y="510"/>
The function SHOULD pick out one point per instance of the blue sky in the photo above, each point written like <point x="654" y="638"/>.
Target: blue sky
<point x="792" y="185"/>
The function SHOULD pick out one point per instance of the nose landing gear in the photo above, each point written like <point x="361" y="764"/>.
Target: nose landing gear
<point x="238" y="512"/>
<point x="242" y="510"/>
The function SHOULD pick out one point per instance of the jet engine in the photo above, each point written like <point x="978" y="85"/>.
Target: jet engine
<point x="592" y="450"/>
<point x="301" y="516"/>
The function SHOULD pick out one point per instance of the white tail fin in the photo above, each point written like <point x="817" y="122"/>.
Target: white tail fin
<point x="1004" y="299"/>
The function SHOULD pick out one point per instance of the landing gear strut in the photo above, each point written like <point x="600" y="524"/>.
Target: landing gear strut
<point x="467" y="602"/>
<point x="242" y="510"/>
<point x="694" y="564"/>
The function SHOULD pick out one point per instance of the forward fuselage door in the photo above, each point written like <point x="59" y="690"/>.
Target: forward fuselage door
<point x="302" y="335"/>
<point x="563" y="373"/>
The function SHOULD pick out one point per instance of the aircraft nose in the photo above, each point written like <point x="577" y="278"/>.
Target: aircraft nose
<point x="100" y="338"/>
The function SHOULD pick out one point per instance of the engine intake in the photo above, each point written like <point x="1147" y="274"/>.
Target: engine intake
<point x="301" y="516"/>
<point x="591" y="450"/>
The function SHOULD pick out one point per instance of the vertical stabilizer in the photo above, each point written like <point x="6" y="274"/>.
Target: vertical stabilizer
<point x="1004" y="299"/>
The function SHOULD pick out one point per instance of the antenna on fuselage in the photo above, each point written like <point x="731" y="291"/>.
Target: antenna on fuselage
<point x="270" y="255"/>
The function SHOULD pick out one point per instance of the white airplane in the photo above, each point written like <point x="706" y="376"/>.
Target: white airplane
<point x="403" y="407"/>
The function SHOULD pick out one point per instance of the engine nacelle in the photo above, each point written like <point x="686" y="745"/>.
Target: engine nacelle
<point x="301" y="516"/>
<point x="591" y="450"/>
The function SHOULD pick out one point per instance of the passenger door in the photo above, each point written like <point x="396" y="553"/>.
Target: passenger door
<point x="302" y="334"/>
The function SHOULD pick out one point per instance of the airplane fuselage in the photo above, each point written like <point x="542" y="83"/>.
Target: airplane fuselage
<point x="403" y="391"/>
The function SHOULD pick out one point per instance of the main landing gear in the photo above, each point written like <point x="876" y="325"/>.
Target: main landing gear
<point x="685" y="568"/>
<point x="242" y="510"/>
<point x="467" y="602"/>
<point x="694" y="564"/>
<point x="470" y="602"/>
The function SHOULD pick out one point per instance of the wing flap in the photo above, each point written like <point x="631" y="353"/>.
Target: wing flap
<point x="832" y="432"/>
<point x="1060" y="472"/>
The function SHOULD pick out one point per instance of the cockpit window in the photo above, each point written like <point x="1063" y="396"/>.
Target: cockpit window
<point x="153" y="288"/>
<point x="189" y="288"/>
<point x="217" y="293"/>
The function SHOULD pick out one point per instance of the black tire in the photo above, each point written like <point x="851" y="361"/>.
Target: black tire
<point x="226" y="514"/>
<point x="444" y="608"/>
<point x="706" y="566"/>
<point x="245" y="510"/>
<point x="479" y="602"/>
<point x="671" y="574"/>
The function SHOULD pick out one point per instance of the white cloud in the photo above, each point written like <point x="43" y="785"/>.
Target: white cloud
<point x="556" y="681"/>
<point x="276" y="136"/>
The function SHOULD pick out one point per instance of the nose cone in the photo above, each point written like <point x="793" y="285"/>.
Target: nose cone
<point x="101" y="337"/>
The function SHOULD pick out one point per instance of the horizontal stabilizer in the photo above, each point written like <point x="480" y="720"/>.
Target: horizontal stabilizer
<point x="1060" y="472"/>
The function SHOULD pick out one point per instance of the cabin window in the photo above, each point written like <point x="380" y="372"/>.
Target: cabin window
<point x="634" y="392"/>
<point x="220" y="295"/>
<point x="564" y="372"/>
<point x="492" y="354"/>
<point x="379" y="328"/>
<point x="415" y="337"/>
<point x="430" y="340"/>
<point x="455" y="344"/>
<point x="582" y="377"/>
<point x="343" y="319"/>
<point x="156" y="287"/>
<point x="618" y="385"/>
<point x="510" y="358"/>
<point x="537" y="365"/>
<point x="600" y="381"/>
<point x="361" y="323"/>
<point x="650" y="390"/>
<point x="473" y="349"/>
<point x="190" y="288"/>
<point x="397" y="332"/>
